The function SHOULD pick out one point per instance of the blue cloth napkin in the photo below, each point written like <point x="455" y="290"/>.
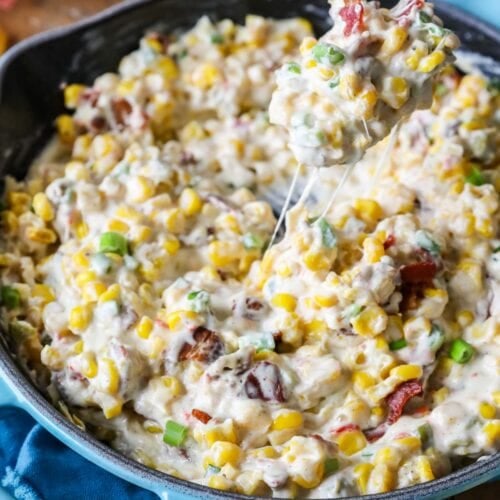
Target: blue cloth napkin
<point x="36" y="466"/>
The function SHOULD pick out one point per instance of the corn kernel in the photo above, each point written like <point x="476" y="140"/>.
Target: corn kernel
<point x="224" y="452"/>
<point x="66" y="128"/>
<point x="89" y="365"/>
<point x="492" y="431"/>
<point x="287" y="419"/>
<point x="362" y="473"/>
<point x="41" y="235"/>
<point x="173" y="384"/>
<point x="465" y="318"/>
<point x="264" y="452"/>
<point x="205" y="76"/>
<point x="109" y="376"/>
<point x="284" y="301"/>
<point x="171" y="245"/>
<point x="112" y="293"/>
<point x="79" y="318"/>
<point x="72" y="94"/>
<point x="43" y="292"/>
<point x="325" y="300"/>
<point x="317" y="261"/>
<point x="388" y="456"/>
<point x="440" y="395"/>
<point x="118" y="226"/>
<point x="190" y="202"/>
<point x="166" y="67"/>
<point x="219" y="482"/>
<point x="145" y="327"/>
<point x="362" y="380"/>
<point x="175" y="319"/>
<point x="382" y="479"/>
<point x="10" y="224"/>
<point x="42" y="207"/>
<point x="307" y="44"/>
<point x="224" y="253"/>
<point x="406" y="372"/>
<point x="393" y="41"/>
<point x="370" y="321"/>
<point x="142" y="189"/>
<point x="350" y="442"/>
<point x="175" y="221"/>
<point x="432" y="61"/>
<point x="113" y="410"/>
<point x="487" y="411"/>
<point x="373" y="250"/>
<point x="85" y="277"/>
<point x="368" y="210"/>
<point x="424" y="469"/>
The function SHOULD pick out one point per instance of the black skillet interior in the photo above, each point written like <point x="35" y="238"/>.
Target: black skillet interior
<point x="30" y="99"/>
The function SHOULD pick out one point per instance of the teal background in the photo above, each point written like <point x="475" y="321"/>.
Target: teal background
<point x="488" y="10"/>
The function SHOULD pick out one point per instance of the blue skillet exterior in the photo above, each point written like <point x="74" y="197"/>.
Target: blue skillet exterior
<point x="80" y="53"/>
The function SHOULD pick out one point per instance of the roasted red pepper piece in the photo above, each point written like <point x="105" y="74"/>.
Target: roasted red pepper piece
<point x="207" y="348"/>
<point x="201" y="415"/>
<point x="418" y="272"/>
<point x="344" y="428"/>
<point x="264" y="382"/>
<point x="352" y="15"/>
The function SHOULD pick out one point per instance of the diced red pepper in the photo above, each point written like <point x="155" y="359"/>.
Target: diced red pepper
<point x="201" y="415"/>
<point x="344" y="428"/>
<point x="417" y="4"/>
<point x="418" y="272"/>
<point x="352" y="15"/>
<point x="389" y="241"/>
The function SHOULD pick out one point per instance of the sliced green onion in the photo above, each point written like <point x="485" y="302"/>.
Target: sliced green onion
<point x="497" y="249"/>
<point x="323" y="52"/>
<point x="328" y="236"/>
<point x="334" y="82"/>
<point x="294" y="67"/>
<point x="461" y="351"/>
<point x="396" y="345"/>
<point x="200" y="301"/>
<point x="331" y="465"/>
<point x="21" y="330"/>
<point x="441" y="90"/>
<point x="212" y="470"/>
<point x="252" y="241"/>
<point x="113" y="243"/>
<point x="217" y="38"/>
<point x="424" y="18"/>
<point x="352" y="311"/>
<point x="261" y="342"/>
<point x="475" y="177"/>
<point x="436" y="338"/>
<point x="11" y="298"/>
<point x="175" y="433"/>
<point x="425" y="434"/>
<point x="424" y="240"/>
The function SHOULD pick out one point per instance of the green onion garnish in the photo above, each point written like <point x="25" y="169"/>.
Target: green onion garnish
<point x="328" y="236"/>
<point x="323" y="52"/>
<point x="461" y="351"/>
<point x="217" y="38"/>
<point x="261" y="342"/>
<point x="436" y="338"/>
<point x="441" y="89"/>
<point x="200" y="301"/>
<point x="334" y="82"/>
<point x="212" y="470"/>
<point x="425" y="433"/>
<point x="424" y="240"/>
<point x="175" y="433"/>
<point x="113" y="243"/>
<point x="331" y="465"/>
<point x="475" y="177"/>
<point x="252" y="241"/>
<point x="395" y="345"/>
<point x="424" y="18"/>
<point x="11" y="298"/>
<point x="352" y="311"/>
<point x="497" y="249"/>
<point x="294" y="67"/>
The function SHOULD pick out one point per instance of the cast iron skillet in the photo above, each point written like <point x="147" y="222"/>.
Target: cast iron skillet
<point x="30" y="99"/>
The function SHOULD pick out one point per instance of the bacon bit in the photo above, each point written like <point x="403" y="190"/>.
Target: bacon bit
<point x="98" y="124"/>
<point x="389" y="242"/>
<point x="412" y="294"/>
<point x="418" y="272"/>
<point x="121" y="109"/>
<point x="207" y="348"/>
<point x="91" y="96"/>
<point x="249" y="308"/>
<point x="345" y="428"/>
<point x="400" y="396"/>
<point x="396" y="401"/>
<point x="264" y="382"/>
<point x="352" y="15"/>
<point x="201" y="415"/>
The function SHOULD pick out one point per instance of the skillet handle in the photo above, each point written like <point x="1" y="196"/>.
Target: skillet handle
<point x="7" y="396"/>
